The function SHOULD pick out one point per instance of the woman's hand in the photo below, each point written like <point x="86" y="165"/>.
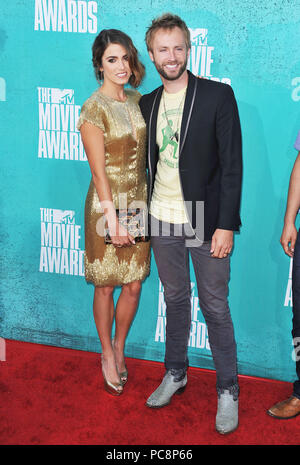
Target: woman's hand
<point x="120" y="237"/>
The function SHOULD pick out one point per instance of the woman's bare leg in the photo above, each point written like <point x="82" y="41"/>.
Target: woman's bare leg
<point x="103" y="308"/>
<point x="125" y="312"/>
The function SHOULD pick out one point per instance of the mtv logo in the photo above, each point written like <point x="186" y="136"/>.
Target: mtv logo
<point x="65" y="96"/>
<point x="198" y="36"/>
<point x="64" y="216"/>
<point x="2" y="90"/>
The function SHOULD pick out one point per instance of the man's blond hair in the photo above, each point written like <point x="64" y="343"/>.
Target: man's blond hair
<point x="167" y="21"/>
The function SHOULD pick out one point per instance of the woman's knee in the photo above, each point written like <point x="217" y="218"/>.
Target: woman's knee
<point x="132" y="289"/>
<point x="105" y="291"/>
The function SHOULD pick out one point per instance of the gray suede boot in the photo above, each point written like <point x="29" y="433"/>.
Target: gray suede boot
<point x="174" y="382"/>
<point x="227" y="418"/>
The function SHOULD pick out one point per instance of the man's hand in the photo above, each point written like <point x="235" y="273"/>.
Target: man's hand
<point x="288" y="238"/>
<point x="221" y="243"/>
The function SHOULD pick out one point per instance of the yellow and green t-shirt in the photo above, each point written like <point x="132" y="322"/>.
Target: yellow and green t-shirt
<point x="167" y="202"/>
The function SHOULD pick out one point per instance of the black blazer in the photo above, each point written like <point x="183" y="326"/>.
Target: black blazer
<point x="210" y="153"/>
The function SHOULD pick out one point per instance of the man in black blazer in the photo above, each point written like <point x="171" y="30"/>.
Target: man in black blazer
<point x="194" y="173"/>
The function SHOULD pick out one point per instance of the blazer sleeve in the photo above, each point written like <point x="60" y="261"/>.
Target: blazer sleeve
<point x="229" y="139"/>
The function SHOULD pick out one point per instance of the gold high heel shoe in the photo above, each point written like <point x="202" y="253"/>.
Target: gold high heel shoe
<point x="124" y="377"/>
<point x="111" y="388"/>
<point x="124" y="374"/>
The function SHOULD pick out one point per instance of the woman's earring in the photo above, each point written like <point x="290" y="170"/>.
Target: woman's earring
<point x="101" y="75"/>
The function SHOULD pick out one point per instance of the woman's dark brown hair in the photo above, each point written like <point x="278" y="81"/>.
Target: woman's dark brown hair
<point x="114" y="36"/>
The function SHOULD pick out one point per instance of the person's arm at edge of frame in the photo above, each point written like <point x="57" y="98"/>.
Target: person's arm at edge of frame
<point x="289" y="232"/>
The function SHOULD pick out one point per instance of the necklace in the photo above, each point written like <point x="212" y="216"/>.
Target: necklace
<point x="175" y="134"/>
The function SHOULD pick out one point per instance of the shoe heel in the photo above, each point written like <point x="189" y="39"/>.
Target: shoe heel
<point x="180" y="390"/>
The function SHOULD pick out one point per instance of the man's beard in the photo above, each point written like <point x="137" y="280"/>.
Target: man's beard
<point x="171" y="78"/>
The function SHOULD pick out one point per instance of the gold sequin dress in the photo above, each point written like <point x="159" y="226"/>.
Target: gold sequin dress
<point x="125" y="163"/>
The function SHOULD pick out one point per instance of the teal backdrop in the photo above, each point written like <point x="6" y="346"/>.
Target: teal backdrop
<point x="45" y="76"/>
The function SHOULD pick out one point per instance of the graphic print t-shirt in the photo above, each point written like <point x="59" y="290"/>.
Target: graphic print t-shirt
<point x="167" y="202"/>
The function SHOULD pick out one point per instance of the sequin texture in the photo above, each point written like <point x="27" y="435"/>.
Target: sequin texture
<point x="125" y="161"/>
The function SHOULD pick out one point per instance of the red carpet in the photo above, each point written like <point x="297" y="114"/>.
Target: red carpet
<point x="55" y="396"/>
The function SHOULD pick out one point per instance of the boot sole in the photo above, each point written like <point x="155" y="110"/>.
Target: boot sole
<point x="282" y="418"/>
<point x="178" y="392"/>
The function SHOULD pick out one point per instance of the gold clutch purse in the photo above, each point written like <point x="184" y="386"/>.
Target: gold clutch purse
<point x="135" y="221"/>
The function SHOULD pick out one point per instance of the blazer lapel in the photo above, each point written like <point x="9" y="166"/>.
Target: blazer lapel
<point x="153" y="121"/>
<point x="188" y="108"/>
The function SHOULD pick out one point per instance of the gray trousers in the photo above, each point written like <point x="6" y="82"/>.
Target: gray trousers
<point x="171" y="249"/>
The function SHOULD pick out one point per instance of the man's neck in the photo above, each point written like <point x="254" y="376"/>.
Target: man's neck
<point x="172" y="87"/>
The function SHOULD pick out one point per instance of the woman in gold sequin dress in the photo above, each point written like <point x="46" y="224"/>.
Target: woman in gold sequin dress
<point x="114" y="133"/>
